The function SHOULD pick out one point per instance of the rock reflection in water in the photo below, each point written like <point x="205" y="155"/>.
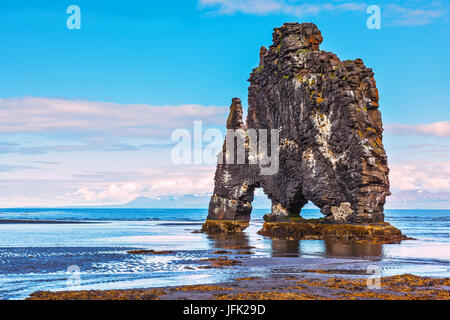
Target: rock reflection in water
<point x="232" y="240"/>
<point x="285" y="248"/>
<point x="353" y="249"/>
<point x="295" y="248"/>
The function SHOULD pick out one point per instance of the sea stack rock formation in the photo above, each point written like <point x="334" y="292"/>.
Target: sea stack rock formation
<point x="330" y="136"/>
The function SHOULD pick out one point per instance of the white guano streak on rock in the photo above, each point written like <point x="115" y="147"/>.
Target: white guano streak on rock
<point x="323" y="125"/>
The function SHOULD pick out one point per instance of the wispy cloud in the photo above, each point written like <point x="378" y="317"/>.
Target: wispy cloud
<point x="46" y="162"/>
<point x="50" y="115"/>
<point x="410" y="13"/>
<point x="69" y="148"/>
<point x="263" y="7"/>
<point x="416" y="14"/>
<point x="8" y="168"/>
<point x="439" y="129"/>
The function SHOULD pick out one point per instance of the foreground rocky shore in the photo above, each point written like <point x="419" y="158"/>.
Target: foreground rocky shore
<point x="318" y="285"/>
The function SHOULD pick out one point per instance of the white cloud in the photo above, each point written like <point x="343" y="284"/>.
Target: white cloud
<point x="114" y="192"/>
<point x="433" y="177"/>
<point x="51" y="115"/>
<point x="184" y="185"/>
<point x="439" y="129"/>
<point x="112" y="187"/>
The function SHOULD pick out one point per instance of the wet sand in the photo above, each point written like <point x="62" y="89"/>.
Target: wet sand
<point x="313" y="285"/>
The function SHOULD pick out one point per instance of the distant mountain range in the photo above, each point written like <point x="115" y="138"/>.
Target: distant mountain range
<point x="412" y="199"/>
<point x="418" y="199"/>
<point x="176" y="202"/>
<point x="182" y="202"/>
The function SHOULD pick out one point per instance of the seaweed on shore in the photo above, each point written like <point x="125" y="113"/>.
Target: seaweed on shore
<point x="400" y="287"/>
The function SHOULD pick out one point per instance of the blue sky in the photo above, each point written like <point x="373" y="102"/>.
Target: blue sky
<point x="163" y="64"/>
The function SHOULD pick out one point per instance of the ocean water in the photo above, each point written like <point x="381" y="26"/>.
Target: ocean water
<point x="82" y="249"/>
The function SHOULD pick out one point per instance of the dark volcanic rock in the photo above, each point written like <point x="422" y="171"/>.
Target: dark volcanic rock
<point x="233" y="192"/>
<point x="330" y="135"/>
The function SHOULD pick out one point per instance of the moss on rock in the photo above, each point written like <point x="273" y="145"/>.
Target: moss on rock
<point x="223" y="226"/>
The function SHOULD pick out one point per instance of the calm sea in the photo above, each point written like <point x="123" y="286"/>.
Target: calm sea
<point x="93" y="254"/>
